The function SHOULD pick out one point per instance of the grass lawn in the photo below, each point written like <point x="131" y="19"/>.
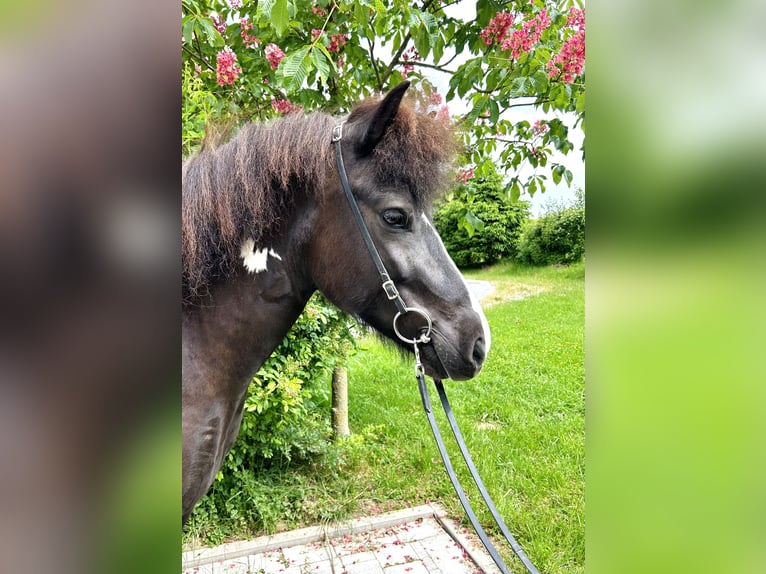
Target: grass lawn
<point x="522" y="418"/>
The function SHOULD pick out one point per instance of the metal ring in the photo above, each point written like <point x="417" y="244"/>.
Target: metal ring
<point x="425" y="337"/>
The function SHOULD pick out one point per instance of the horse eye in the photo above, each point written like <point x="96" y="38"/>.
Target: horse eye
<point x="395" y="218"/>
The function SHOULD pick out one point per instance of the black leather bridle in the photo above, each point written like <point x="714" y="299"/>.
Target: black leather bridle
<point x="423" y="338"/>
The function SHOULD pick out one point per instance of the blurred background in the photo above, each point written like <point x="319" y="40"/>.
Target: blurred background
<point x="89" y="290"/>
<point x="675" y="287"/>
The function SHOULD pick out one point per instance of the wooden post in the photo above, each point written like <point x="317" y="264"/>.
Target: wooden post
<point x="340" y="401"/>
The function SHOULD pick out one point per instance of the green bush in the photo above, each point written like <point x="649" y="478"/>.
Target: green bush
<point x="479" y="225"/>
<point x="286" y="419"/>
<point x="556" y="237"/>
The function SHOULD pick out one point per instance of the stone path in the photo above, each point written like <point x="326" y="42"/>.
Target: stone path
<point x="418" y="540"/>
<point x="480" y="288"/>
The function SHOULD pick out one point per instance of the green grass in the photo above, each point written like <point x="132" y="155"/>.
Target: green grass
<point x="522" y="418"/>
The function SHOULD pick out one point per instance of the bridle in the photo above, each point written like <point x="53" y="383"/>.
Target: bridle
<point x="424" y="337"/>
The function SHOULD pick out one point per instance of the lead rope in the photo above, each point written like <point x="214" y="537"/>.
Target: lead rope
<point x="422" y="387"/>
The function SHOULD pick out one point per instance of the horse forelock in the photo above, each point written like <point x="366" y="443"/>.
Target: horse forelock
<point x="244" y="189"/>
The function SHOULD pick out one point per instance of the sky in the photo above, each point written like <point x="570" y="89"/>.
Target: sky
<point x="466" y="11"/>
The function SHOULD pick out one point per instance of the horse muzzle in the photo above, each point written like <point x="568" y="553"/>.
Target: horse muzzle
<point x="445" y="360"/>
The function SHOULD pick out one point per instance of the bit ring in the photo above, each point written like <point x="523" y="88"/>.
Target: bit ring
<point x="424" y="337"/>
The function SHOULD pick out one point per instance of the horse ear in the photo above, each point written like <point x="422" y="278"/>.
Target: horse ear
<point x="384" y="115"/>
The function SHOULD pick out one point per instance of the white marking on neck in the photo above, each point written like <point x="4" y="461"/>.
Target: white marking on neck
<point x="474" y="301"/>
<point x="274" y="254"/>
<point x="256" y="260"/>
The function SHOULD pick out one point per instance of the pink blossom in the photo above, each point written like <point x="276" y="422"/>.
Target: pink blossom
<point x="315" y="34"/>
<point x="576" y="19"/>
<point x="274" y="55"/>
<point x="539" y="127"/>
<point x="318" y="10"/>
<point x="336" y="42"/>
<point x="410" y="55"/>
<point x="245" y="27"/>
<point x="227" y="70"/>
<point x="570" y="60"/>
<point x="464" y="174"/>
<point x="284" y="106"/>
<point x="436" y="107"/>
<point x="525" y="38"/>
<point x="235" y="4"/>
<point x="497" y="28"/>
<point x="341" y="63"/>
<point x="219" y="23"/>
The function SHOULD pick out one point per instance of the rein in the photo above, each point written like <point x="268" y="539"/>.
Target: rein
<point x="393" y="295"/>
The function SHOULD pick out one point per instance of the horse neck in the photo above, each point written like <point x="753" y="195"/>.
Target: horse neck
<point x="246" y="316"/>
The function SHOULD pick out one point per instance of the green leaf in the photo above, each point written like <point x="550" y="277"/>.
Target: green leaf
<point x="360" y="12"/>
<point x="494" y="111"/>
<point x="580" y="103"/>
<point x="520" y="86"/>
<point x="471" y="223"/>
<point x="532" y="187"/>
<point x="568" y="176"/>
<point x="515" y="190"/>
<point x="438" y="48"/>
<point x="479" y="104"/>
<point x="322" y="62"/>
<point x="209" y="29"/>
<point x="422" y="40"/>
<point x="557" y="172"/>
<point x="295" y="67"/>
<point x="279" y="16"/>
<point x="188" y="28"/>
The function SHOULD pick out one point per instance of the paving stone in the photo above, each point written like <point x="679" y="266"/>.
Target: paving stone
<point x="306" y="553"/>
<point x="358" y="557"/>
<point x="447" y="555"/>
<point x="422" y="528"/>
<point x="410" y="568"/>
<point x="424" y="556"/>
<point x="397" y="554"/>
<point x="268" y="562"/>
<point x="367" y="567"/>
<point x="418" y="546"/>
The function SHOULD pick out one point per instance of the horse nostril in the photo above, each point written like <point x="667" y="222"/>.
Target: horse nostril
<point x="479" y="351"/>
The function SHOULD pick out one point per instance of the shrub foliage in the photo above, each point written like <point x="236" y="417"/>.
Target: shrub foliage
<point x="479" y="225"/>
<point x="556" y="237"/>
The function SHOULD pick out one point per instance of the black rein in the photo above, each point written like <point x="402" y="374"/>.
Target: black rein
<point x="393" y="294"/>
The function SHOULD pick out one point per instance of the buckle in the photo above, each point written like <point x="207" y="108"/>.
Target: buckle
<point x="337" y="133"/>
<point x="390" y="289"/>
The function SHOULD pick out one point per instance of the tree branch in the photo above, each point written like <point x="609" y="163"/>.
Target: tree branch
<point x="432" y="66"/>
<point x="395" y="59"/>
<point x="535" y="103"/>
<point x="503" y="140"/>
<point x="374" y="63"/>
<point x="197" y="57"/>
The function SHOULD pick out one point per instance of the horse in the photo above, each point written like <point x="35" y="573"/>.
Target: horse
<point x="265" y="224"/>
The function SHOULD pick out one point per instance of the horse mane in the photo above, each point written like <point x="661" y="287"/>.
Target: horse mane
<point x="245" y="187"/>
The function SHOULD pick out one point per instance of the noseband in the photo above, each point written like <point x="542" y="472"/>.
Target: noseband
<point x="425" y="337"/>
